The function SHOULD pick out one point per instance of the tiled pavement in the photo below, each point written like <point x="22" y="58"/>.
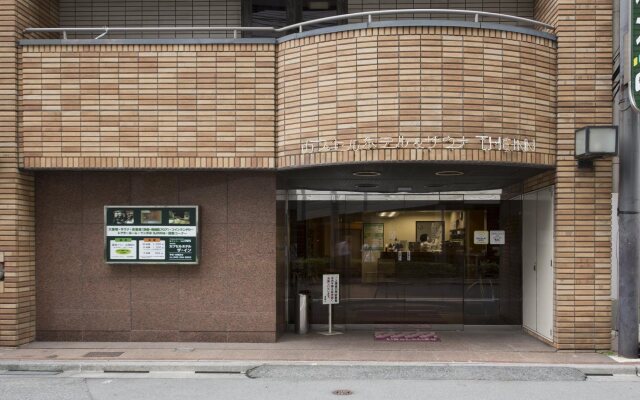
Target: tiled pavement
<point x="469" y="346"/>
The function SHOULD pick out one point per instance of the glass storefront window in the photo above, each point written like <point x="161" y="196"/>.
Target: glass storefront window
<point x="418" y="260"/>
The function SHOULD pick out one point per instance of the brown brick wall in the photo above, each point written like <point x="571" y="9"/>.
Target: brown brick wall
<point x="546" y="11"/>
<point x="417" y="83"/>
<point x="17" y="292"/>
<point x="583" y="198"/>
<point x="148" y="106"/>
<point x="339" y="85"/>
<point x="212" y="106"/>
<point x="539" y="181"/>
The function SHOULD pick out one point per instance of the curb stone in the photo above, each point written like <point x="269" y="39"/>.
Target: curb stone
<point x="248" y="367"/>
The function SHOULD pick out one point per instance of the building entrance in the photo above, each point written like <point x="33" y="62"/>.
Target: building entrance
<point x="441" y="260"/>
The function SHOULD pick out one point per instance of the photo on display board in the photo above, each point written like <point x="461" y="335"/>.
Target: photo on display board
<point x="123" y="217"/>
<point x="179" y="217"/>
<point x="430" y="235"/>
<point x="151" y="217"/>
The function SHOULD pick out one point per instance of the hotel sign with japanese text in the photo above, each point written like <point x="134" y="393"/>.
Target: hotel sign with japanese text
<point x="634" y="58"/>
<point x="428" y="143"/>
<point x="151" y="234"/>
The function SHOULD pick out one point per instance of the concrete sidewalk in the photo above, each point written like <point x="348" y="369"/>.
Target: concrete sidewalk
<point x="353" y="348"/>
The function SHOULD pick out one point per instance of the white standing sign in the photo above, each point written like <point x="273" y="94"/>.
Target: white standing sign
<point x="330" y="289"/>
<point x="496" y="237"/>
<point x="330" y="296"/>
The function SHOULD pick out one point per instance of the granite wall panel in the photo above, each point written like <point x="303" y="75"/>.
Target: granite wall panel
<point x="230" y="296"/>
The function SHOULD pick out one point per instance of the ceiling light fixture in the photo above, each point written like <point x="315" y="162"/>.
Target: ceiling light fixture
<point x="405" y="188"/>
<point x="449" y="173"/>
<point x="366" y="173"/>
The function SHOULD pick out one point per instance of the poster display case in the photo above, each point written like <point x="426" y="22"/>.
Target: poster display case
<point x="151" y="235"/>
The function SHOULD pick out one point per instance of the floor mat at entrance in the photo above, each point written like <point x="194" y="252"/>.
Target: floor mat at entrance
<point x="414" y="336"/>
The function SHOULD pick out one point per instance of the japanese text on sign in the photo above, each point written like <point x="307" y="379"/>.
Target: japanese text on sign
<point x="330" y="289"/>
<point x="634" y="53"/>
<point x="151" y="234"/>
<point x="429" y="143"/>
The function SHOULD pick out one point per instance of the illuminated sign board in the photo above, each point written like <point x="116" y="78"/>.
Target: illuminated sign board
<point x="151" y="235"/>
<point x="634" y="59"/>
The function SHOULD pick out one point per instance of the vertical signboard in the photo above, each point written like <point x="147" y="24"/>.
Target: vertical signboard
<point x="151" y="234"/>
<point x="634" y="53"/>
<point x="330" y="289"/>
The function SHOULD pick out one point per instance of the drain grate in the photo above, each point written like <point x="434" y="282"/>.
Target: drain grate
<point x="124" y="371"/>
<point x="342" y="392"/>
<point x="218" y="372"/>
<point x="104" y="354"/>
<point x="28" y="372"/>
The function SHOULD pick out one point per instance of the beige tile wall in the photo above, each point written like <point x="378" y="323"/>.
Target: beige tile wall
<point x="56" y="116"/>
<point x="17" y="244"/>
<point x="583" y="197"/>
<point x="148" y="106"/>
<point x="416" y="83"/>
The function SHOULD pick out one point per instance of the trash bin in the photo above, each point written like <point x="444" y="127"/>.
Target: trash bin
<point x="304" y="307"/>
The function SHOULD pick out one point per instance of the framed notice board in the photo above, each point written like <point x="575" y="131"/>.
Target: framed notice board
<point x="151" y="235"/>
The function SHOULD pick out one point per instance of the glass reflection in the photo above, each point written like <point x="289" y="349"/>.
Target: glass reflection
<point x="408" y="261"/>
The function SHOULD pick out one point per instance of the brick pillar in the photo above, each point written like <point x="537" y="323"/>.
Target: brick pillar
<point x="583" y="198"/>
<point x="17" y="210"/>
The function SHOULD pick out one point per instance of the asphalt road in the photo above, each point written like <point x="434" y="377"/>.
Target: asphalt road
<point x="187" y="385"/>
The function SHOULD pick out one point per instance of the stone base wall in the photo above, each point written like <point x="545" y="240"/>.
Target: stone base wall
<point x="229" y="296"/>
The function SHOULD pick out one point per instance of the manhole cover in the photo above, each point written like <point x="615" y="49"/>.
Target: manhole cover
<point x="342" y="392"/>
<point x="104" y="354"/>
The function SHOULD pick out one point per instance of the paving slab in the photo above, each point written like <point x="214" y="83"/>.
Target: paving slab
<point x="353" y="347"/>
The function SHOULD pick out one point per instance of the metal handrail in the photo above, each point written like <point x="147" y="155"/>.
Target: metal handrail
<point x="299" y="26"/>
<point x="370" y="14"/>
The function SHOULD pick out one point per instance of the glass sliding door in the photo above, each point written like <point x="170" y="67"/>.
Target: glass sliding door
<point x="406" y="261"/>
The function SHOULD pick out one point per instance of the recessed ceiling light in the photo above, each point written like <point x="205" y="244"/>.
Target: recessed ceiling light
<point x="449" y="173"/>
<point x="405" y="188"/>
<point x="366" y="173"/>
<point x="366" y="185"/>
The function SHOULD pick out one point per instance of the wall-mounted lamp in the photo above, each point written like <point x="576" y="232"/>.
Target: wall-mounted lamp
<point x="595" y="142"/>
